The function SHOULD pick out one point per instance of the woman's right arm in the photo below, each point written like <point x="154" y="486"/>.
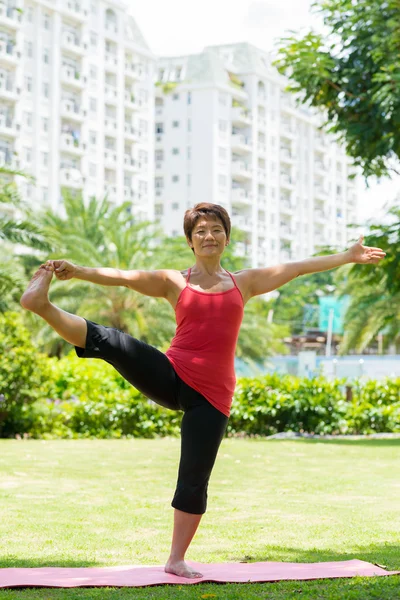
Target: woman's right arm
<point x="150" y="283"/>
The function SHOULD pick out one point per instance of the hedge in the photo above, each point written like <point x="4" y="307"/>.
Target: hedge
<point x="43" y="397"/>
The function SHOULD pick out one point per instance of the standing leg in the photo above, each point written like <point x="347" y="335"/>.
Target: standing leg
<point x="185" y="526"/>
<point x="202" y="428"/>
<point x="71" y="328"/>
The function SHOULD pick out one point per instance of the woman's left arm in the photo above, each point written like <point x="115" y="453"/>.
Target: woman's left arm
<point x="261" y="281"/>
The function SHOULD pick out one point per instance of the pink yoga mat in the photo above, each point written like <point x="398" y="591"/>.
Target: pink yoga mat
<point x="140" y="576"/>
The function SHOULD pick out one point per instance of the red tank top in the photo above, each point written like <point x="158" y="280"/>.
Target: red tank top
<point x="202" y="351"/>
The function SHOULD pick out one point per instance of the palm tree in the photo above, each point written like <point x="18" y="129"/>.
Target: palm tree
<point x="375" y="292"/>
<point x="15" y="230"/>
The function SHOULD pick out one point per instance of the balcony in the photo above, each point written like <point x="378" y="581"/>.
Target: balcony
<point x="129" y="193"/>
<point x="240" y="117"/>
<point x="111" y="93"/>
<point x="286" y="180"/>
<point x="72" y="77"/>
<point x="71" y="110"/>
<point x="74" y="10"/>
<point x="10" y="17"/>
<point x="132" y="133"/>
<point x="71" y="177"/>
<point x="131" y="101"/>
<point x="8" y="90"/>
<point x="241" y="171"/>
<point x="261" y="149"/>
<point x="243" y="223"/>
<point x="320" y="216"/>
<point x="71" y="145"/>
<point x="111" y="61"/>
<point x="110" y="158"/>
<point x="111" y="126"/>
<point x="130" y="163"/>
<point x="262" y="229"/>
<point x="71" y="43"/>
<point x="133" y="70"/>
<point x="287" y="130"/>
<point x="286" y="155"/>
<point x="111" y="27"/>
<point x="321" y="192"/>
<point x="8" y="54"/>
<point x="286" y="207"/>
<point x="240" y="144"/>
<point x="8" y="126"/>
<point x="240" y="197"/>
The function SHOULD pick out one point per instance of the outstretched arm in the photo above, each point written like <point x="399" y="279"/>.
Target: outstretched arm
<point x="149" y="283"/>
<point x="261" y="281"/>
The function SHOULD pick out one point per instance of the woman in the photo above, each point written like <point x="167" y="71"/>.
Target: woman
<point x="196" y="374"/>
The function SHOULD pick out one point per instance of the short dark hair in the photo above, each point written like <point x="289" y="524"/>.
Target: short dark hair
<point x="205" y="209"/>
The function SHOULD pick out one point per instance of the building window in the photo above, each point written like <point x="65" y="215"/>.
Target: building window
<point x="159" y="155"/>
<point x="28" y="154"/>
<point x="93" y="38"/>
<point x="223" y="99"/>
<point x="46" y="21"/>
<point x="93" y="72"/>
<point x="45" y="158"/>
<point x="222" y="180"/>
<point x="189" y="124"/>
<point x="223" y="126"/>
<point x="29" y="14"/>
<point x="28" y="49"/>
<point x="28" y="119"/>
<point x="175" y="97"/>
<point x="189" y="180"/>
<point x="45" y="124"/>
<point x="93" y="104"/>
<point x="175" y="150"/>
<point x="46" y="56"/>
<point x="159" y="183"/>
<point x="92" y="169"/>
<point x="189" y="152"/>
<point x="92" y="138"/>
<point x="143" y="125"/>
<point x="159" y="127"/>
<point x="175" y="178"/>
<point x="175" y="123"/>
<point x="45" y="195"/>
<point x="28" y="83"/>
<point x="222" y="153"/>
<point x="189" y="98"/>
<point x="175" y="206"/>
<point x="45" y="89"/>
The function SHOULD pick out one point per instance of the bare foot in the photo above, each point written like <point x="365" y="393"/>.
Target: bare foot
<point x="35" y="297"/>
<point x="180" y="568"/>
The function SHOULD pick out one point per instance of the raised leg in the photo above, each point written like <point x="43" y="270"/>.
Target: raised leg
<point x="71" y="328"/>
<point x="185" y="526"/>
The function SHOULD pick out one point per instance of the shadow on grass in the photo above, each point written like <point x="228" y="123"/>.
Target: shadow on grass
<point x="373" y="443"/>
<point x="386" y="556"/>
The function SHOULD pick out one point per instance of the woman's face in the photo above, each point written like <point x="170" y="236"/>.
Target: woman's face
<point x="208" y="236"/>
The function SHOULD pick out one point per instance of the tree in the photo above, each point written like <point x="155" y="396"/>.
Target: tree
<point x="15" y="229"/>
<point x="375" y="292"/>
<point x="352" y="73"/>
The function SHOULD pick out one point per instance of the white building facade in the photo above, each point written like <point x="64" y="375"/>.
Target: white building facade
<point x="227" y="133"/>
<point x="77" y="101"/>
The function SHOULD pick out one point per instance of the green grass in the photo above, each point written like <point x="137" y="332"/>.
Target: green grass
<point x="88" y="503"/>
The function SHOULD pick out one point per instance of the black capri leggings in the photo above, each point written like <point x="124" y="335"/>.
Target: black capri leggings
<point x="149" y="370"/>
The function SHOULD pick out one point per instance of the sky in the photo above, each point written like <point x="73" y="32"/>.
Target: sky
<point x="180" y="27"/>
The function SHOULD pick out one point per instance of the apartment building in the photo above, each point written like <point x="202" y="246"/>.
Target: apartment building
<point x="77" y="101"/>
<point x="227" y="132"/>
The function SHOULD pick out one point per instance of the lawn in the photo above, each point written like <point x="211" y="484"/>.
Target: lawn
<point x="107" y="502"/>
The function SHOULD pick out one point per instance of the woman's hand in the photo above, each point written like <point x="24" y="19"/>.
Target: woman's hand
<point x="63" y="269"/>
<point x="364" y="254"/>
